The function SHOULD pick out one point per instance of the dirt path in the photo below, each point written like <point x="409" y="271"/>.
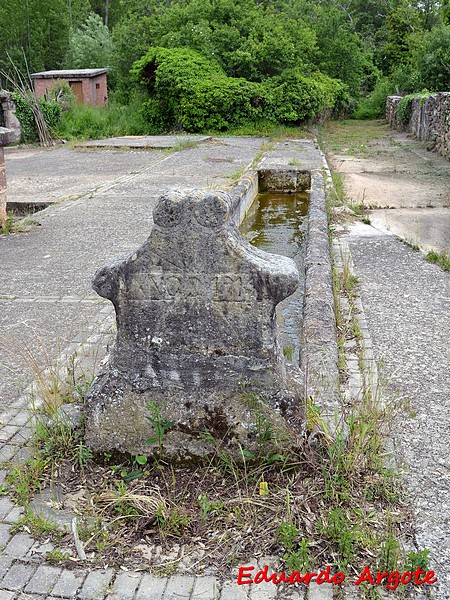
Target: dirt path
<point x="405" y="187"/>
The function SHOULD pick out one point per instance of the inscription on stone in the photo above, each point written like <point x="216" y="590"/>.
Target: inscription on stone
<point x="226" y="287"/>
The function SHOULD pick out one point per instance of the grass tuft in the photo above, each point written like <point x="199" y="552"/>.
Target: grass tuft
<point x="439" y="258"/>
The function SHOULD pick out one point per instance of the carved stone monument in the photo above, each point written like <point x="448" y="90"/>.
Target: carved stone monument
<point x="196" y="335"/>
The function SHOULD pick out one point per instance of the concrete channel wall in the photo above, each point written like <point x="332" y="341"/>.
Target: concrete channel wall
<point x="429" y="120"/>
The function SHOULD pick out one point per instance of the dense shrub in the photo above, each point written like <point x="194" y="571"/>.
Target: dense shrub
<point x="188" y="91"/>
<point x="51" y="112"/>
<point x="433" y="60"/>
<point x="299" y="98"/>
<point x="89" y="122"/>
<point x="374" y="105"/>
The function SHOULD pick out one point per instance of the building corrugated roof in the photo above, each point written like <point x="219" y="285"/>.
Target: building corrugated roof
<point x="68" y="73"/>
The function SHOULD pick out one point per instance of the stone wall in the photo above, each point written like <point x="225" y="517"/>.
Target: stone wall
<point x="429" y="121"/>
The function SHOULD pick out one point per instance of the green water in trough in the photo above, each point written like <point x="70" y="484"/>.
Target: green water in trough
<point x="276" y="223"/>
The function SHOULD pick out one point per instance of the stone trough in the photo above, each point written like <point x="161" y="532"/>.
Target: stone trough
<point x="197" y="366"/>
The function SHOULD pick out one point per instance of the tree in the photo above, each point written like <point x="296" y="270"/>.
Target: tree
<point x="109" y="10"/>
<point x="432" y="60"/>
<point x="90" y="46"/>
<point x="402" y="23"/>
<point x="247" y="38"/>
<point x="343" y="54"/>
<point x="33" y="32"/>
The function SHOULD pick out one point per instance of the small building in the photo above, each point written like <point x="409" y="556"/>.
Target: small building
<point x="89" y="85"/>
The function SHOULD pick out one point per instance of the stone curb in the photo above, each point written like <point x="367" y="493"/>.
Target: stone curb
<point x="319" y="359"/>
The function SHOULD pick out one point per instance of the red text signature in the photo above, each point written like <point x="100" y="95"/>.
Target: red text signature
<point x="390" y="580"/>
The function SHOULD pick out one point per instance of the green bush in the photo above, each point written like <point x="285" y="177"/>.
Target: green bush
<point x="374" y="105"/>
<point x="298" y="98"/>
<point x="221" y="103"/>
<point x="51" y="112"/>
<point x="188" y="91"/>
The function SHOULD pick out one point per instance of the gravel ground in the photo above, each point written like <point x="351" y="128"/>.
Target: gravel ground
<point x="407" y="304"/>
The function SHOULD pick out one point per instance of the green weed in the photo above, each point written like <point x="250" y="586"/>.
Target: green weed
<point x="337" y="194"/>
<point x="287" y="534"/>
<point x="299" y="559"/>
<point x="57" y="556"/>
<point x="236" y="175"/>
<point x="209" y="508"/>
<point x="358" y="209"/>
<point x="419" y="558"/>
<point x="172" y="523"/>
<point x="160" y="424"/>
<point x="262" y="128"/>
<point x="439" y="258"/>
<point x="390" y="554"/>
<point x="27" y="478"/>
<point x="185" y="145"/>
<point x="93" y="122"/>
<point x="411" y="245"/>
<point x="288" y="353"/>
<point x="349" y="136"/>
<point x="35" y="523"/>
<point x="7" y="226"/>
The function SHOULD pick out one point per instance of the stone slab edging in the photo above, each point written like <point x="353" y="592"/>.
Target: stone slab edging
<point x="319" y="356"/>
<point x="243" y="194"/>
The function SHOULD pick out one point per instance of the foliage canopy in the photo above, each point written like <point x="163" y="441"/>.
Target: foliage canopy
<point x="373" y="47"/>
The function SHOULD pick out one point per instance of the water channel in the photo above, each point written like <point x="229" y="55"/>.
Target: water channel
<point x="276" y="223"/>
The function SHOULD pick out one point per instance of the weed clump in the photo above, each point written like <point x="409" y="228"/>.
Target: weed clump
<point x="439" y="258"/>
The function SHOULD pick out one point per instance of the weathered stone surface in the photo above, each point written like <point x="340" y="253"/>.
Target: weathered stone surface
<point x="9" y="115"/>
<point x="69" y="415"/>
<point x="195" y="309"/>
<point x="284" y="180"/>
